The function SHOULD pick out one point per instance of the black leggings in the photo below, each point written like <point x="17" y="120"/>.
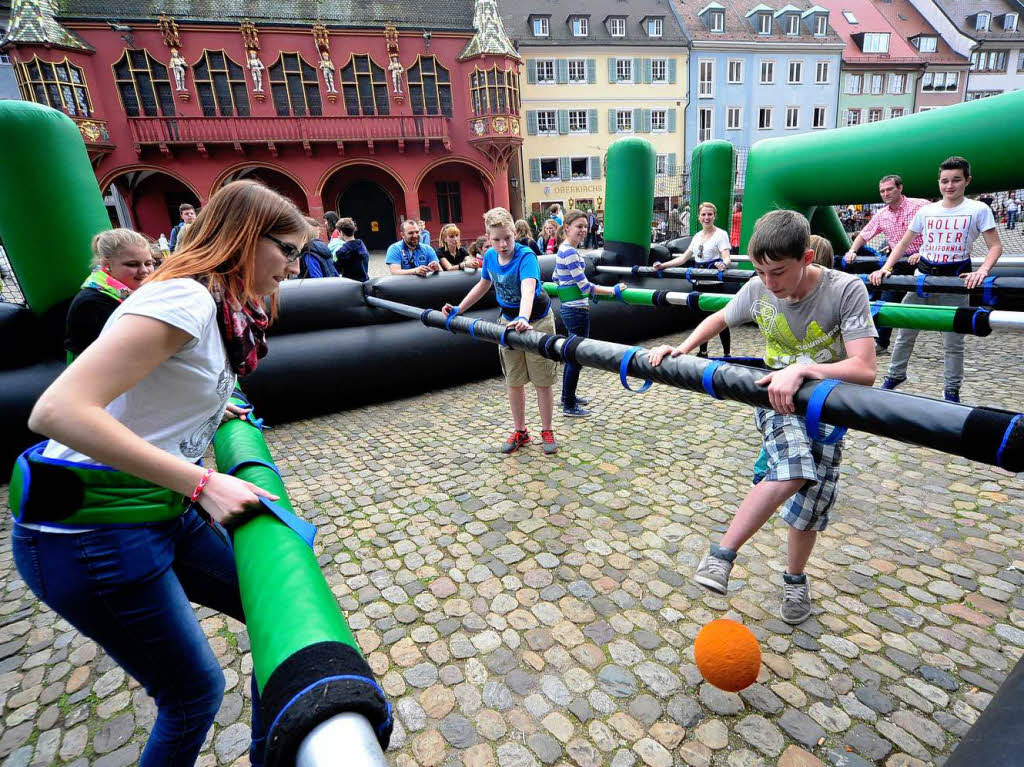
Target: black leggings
<point x="726" y="338"/>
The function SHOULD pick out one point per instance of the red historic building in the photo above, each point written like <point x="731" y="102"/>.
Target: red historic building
<point x="376" y="117"/>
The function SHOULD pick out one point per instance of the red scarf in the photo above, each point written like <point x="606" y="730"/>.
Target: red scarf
<point x="244" y="329"/>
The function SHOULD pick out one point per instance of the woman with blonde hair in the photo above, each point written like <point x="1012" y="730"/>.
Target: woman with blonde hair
<point x="549" y="236"/>
<point x="450" y="251"/>
<point x="121" y="259"/>
<point x="525" y="237"/>
<point x="824" y="254"/>
<point x="117" y="533"/>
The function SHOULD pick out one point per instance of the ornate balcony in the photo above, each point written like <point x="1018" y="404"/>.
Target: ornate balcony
<point x="497" y="136"/>
<point x="96" y="137"/>
<point x="199" y="133"/>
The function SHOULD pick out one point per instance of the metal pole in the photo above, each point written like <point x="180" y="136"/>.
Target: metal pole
<point x="1001" y="320"/>
<point x="346" y="740"/>
<point x="1014" y="261"/>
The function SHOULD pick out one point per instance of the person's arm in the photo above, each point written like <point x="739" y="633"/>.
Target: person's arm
<point x="858" y="243"/>
<point x="174" y="237"/>
<point x="859" y="367"/>
<point x="705" y="331"/>
<point x="72" y="412"/>
<point x="447" y="265"/>
<point x="527" y="289"/>
<point x="995" y="250"/>
<point x="475" y="293"/>
<point x="723" y="253"/>
<point x="877" y="276"/>
<point x="677" y="261"/>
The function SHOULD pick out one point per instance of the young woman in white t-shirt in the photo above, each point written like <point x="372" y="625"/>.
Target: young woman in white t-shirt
<point x="143" y="401"/>
<point x="709" y="248"/>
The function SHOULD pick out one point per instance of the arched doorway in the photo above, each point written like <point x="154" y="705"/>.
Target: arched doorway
<point x="280" y="182"/>
<point x="151" y="198"/>
<point x="373" y="209"/>
<point x="454" y="192"/>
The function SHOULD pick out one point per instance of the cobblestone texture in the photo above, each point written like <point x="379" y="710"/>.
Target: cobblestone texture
<point x="528" y="610"/>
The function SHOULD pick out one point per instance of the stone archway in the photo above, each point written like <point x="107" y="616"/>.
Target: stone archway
<point x="281" y="182"/>
<point x="455" y="192"/>
<point x="152" y="198"/>
<point x="371" y="196"/>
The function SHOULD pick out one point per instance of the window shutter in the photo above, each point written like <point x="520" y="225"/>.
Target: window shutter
<point x="565" y="168"/>
<point x="531" y="71"/>
<point x="671" y="70"/>
<point x="595" y="167"/>
<point x="647" y="70"/>
<point x="563" y="121"/>
<point x="531" y="122"/>
<point x="591" y="71"/>
<point x="592" y="120"/>
<point x="638" y="72"/>
<point x="562" y="71"/>
<point x="647" y="121"/>
<point x="670" y="119"/>
<point x="670" y="164"/>
<point x="611" y="70"/>
<point x="638" y="116"/>
<point x="535" y="171"/>
<point x="612" y="127"/>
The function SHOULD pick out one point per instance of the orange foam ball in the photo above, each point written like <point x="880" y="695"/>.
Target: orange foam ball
<point x="727" y="655"/>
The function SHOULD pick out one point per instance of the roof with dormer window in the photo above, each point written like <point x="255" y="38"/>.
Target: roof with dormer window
<point x="786" y="9"/>
<point x="963" y="13"/>
<point x="909" y="22"/>
<point x="516" y="16"/>
<point x="738" y="16"/>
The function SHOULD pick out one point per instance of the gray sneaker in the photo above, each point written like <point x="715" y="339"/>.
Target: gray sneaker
<point x="713" y="573"/>
<point x="796" y="601"/>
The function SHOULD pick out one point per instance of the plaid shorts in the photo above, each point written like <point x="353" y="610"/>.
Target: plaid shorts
<point x="789" y="453"/>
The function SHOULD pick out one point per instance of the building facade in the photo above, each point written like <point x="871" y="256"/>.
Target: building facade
<point x="378" y="121"/>
<point x="759" y="72"/>
<point x="595" y="73"/>
<point x="8" y="85"/>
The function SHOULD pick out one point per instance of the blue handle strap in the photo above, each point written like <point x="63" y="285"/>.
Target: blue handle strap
<point x="635" y="270"/>
<point x="502" y="340"/>
<point x="864" y="278"/>
<point x="472" y="328"/>
<point x="920" y="285"/>
<point x="1006" y="439"/>
<point x="624" y="369"/>
<point x="688" y="274"/>
<point x="708" y="377"/>
<point x="253" y="421"/>
<point x="876" y="307"/>
<point x="252" y="462"/>
<point x="660" y="274"/>
<point x="300" y="527"/>
<point x="618" y="293"/>
<point x="451" y="316"/>
<point x="813" y="417"/>
<point x="989" y="297"/>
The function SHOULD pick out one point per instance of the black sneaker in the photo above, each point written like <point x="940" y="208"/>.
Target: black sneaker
<point x="891" y="383"/>
<point x="951" y="395"/>
<point x="575" y="412"/>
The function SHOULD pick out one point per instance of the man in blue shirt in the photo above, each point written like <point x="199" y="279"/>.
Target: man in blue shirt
<point x="409" y="255"/>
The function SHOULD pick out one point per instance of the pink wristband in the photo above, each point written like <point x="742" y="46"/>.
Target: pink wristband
<point x="202" y="485"/>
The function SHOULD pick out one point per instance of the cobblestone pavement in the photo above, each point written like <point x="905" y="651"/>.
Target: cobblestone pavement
<point x="525" y="611"/>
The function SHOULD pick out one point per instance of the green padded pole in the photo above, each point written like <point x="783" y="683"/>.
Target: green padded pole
<point x="712" y="170"/>
<point x="844" y="165"/>
<point x="825" y="222"/>
<point x="45" y="170"/>
<point x="629" y="201"/>
<point x="288" y="605"/>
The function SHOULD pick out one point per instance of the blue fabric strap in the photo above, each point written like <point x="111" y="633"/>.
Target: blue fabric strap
<point x="300" y="527"/>
<point x="708" y="378"/>
<point x="989" y="297"/>
<point x="920" y="285"/>
<point x="451" y="316"/>
<point x="813" y="416"/>
<point x="253" y="421"/>
<point x="502" y="341"/>
<point x="624" y="369"/>
<point x="424" y="314"/>
<point x="688" y="274"/>
<point x="863" y="278"/>
<point x="618" y="293"/>
<point x="472" y="328"/>
<point x="876" y="307"/>
<point x="661" y="274"/>
<point x="721" y="275"/>
<point x="1006" y="438"/>
<point x="635" y="269"/>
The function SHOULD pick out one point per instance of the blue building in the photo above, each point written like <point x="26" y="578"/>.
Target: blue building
<point x="758" y="72"/>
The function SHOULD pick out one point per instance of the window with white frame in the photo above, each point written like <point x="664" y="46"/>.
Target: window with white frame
<point x="659" y="120"/>
<point x="877" y="83"/>
<point x="988" y="61"/>
<point x="541" y="27"/>
<point x="983" y="22"/>
<point x="549" y="169"/>
<point x="876" y="42"/>
<point x="896" y="112"/>
<point x="898" y="83"/>
<point x="706" y="79"/>
<point x="764" y="24"/>
<point x="1010" y="22"/>
<point x="624" y="120"/>
<point x="733" y="118"/>
<point x="624" y="70"/>
<point x="853" y="83"/>
<point x="1020" y="62"/>
<point x="735" y="71"/>
<point x="796" y="72"/>
<point x="659" y="70"/>
<point x="661" y="166"/>
<point x="546" y="122"/>
<point x="705" y="126"/>
<point x="874" y="114"/>
<point x="617" y="26"/>
<point x="580" y="26"/>
<point x="546" y="71"/>
<point x="940" y="81"/>
<point x="579" y="167"/>
<point x="764" y="118"/>
<point x="818" y="117"/>
<point x="716" y="21"/>
<point x="655" y="27"/>
<point x="578" y="121"/>
<point x="853" y="117"/>
<point x="850" y="18"/>
<point x="5" y="58"/>
<point x="767" y="72"/>
<point x="792" y="24"/>
<point x="821" y="73"/>
<point x="577" y="70"/>
<point x="792" y="118"/>
<point x="820" y="25"/>
<point x="927" y="43"/>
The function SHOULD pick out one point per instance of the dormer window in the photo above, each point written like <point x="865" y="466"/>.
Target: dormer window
<point x="927" y="43"/>
<point x="983" y="22"/>
<point x="716" y="21"/>
<point x="792" y="24"/>
<point x="617" y="26"/>
<point x="655" y="27"/>
<point x="1010" y="22"/>
<point x="761" y="18"/>
<point x="764" y="24"/>
<point x="875" y="42"/>
<point x="820" y="25"/>
<point x="541" y="26"/>
<point x="580" y="26"/>
<point x="850" y="18"/>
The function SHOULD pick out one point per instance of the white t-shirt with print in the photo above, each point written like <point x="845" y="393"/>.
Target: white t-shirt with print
<point x="948" y="233"/>
<point x="178" y="406"/>
<point x="708" y="249"/>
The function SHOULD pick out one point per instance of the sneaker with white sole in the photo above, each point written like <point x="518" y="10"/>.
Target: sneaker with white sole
<point x="575" y="412"/>
<point x="713" y="573"/>
<point x="796" y="601"/>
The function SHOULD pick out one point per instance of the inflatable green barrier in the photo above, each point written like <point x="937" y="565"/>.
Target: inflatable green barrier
<point x="629" y="200"/>
<point x="48" y="175"/>
<point x="710" y="162"/>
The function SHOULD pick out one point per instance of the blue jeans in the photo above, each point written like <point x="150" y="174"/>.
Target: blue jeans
<point x="577" y="322"/>
<point x="892" y="297"/>
<point x="128" y="589"/>
<point x="1011" y="219"/>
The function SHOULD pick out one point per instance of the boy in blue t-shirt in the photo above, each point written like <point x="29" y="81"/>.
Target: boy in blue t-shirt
<point x="515" y="274"/>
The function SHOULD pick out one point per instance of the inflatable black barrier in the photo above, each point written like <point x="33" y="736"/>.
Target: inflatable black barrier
<point x="997" y="738"/>
<point x="329" y="349"/>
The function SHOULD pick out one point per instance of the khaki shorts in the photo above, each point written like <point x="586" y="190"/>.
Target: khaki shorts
<point x="521" y="368"/>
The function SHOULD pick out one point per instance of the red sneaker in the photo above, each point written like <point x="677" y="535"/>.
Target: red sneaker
<point x="549" y="445"/>
<point x="515" y="441"/>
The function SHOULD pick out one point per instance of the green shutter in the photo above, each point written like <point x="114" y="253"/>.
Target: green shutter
<point x="535" y="171"/>
<point x="638" y="72"/>
<point x="612" y="127"/>
<point x="671" y="70"/>
<point x="531" y="71"/>
<point x="562" y="71"/>
<point x="531" y="122"/>
<point x="565" y="168"/>
<point x="592" y="120"/>
<point x="670" y="164"/>
<point x="563" y="121"/>
<point x="611" y="70"/>
<point x="671" y="120"/>
<point x="638" y="116"/>
<point x="647" y="120"/>
<point x="591" y="71"/>
<point x="647" y="71"/>
<point x="595" y="167"/>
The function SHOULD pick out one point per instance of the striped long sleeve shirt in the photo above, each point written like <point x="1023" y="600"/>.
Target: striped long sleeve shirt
<point x="570" y="269"/>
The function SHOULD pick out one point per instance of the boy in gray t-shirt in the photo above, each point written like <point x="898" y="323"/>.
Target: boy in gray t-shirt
<point x="817" y="325"/>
